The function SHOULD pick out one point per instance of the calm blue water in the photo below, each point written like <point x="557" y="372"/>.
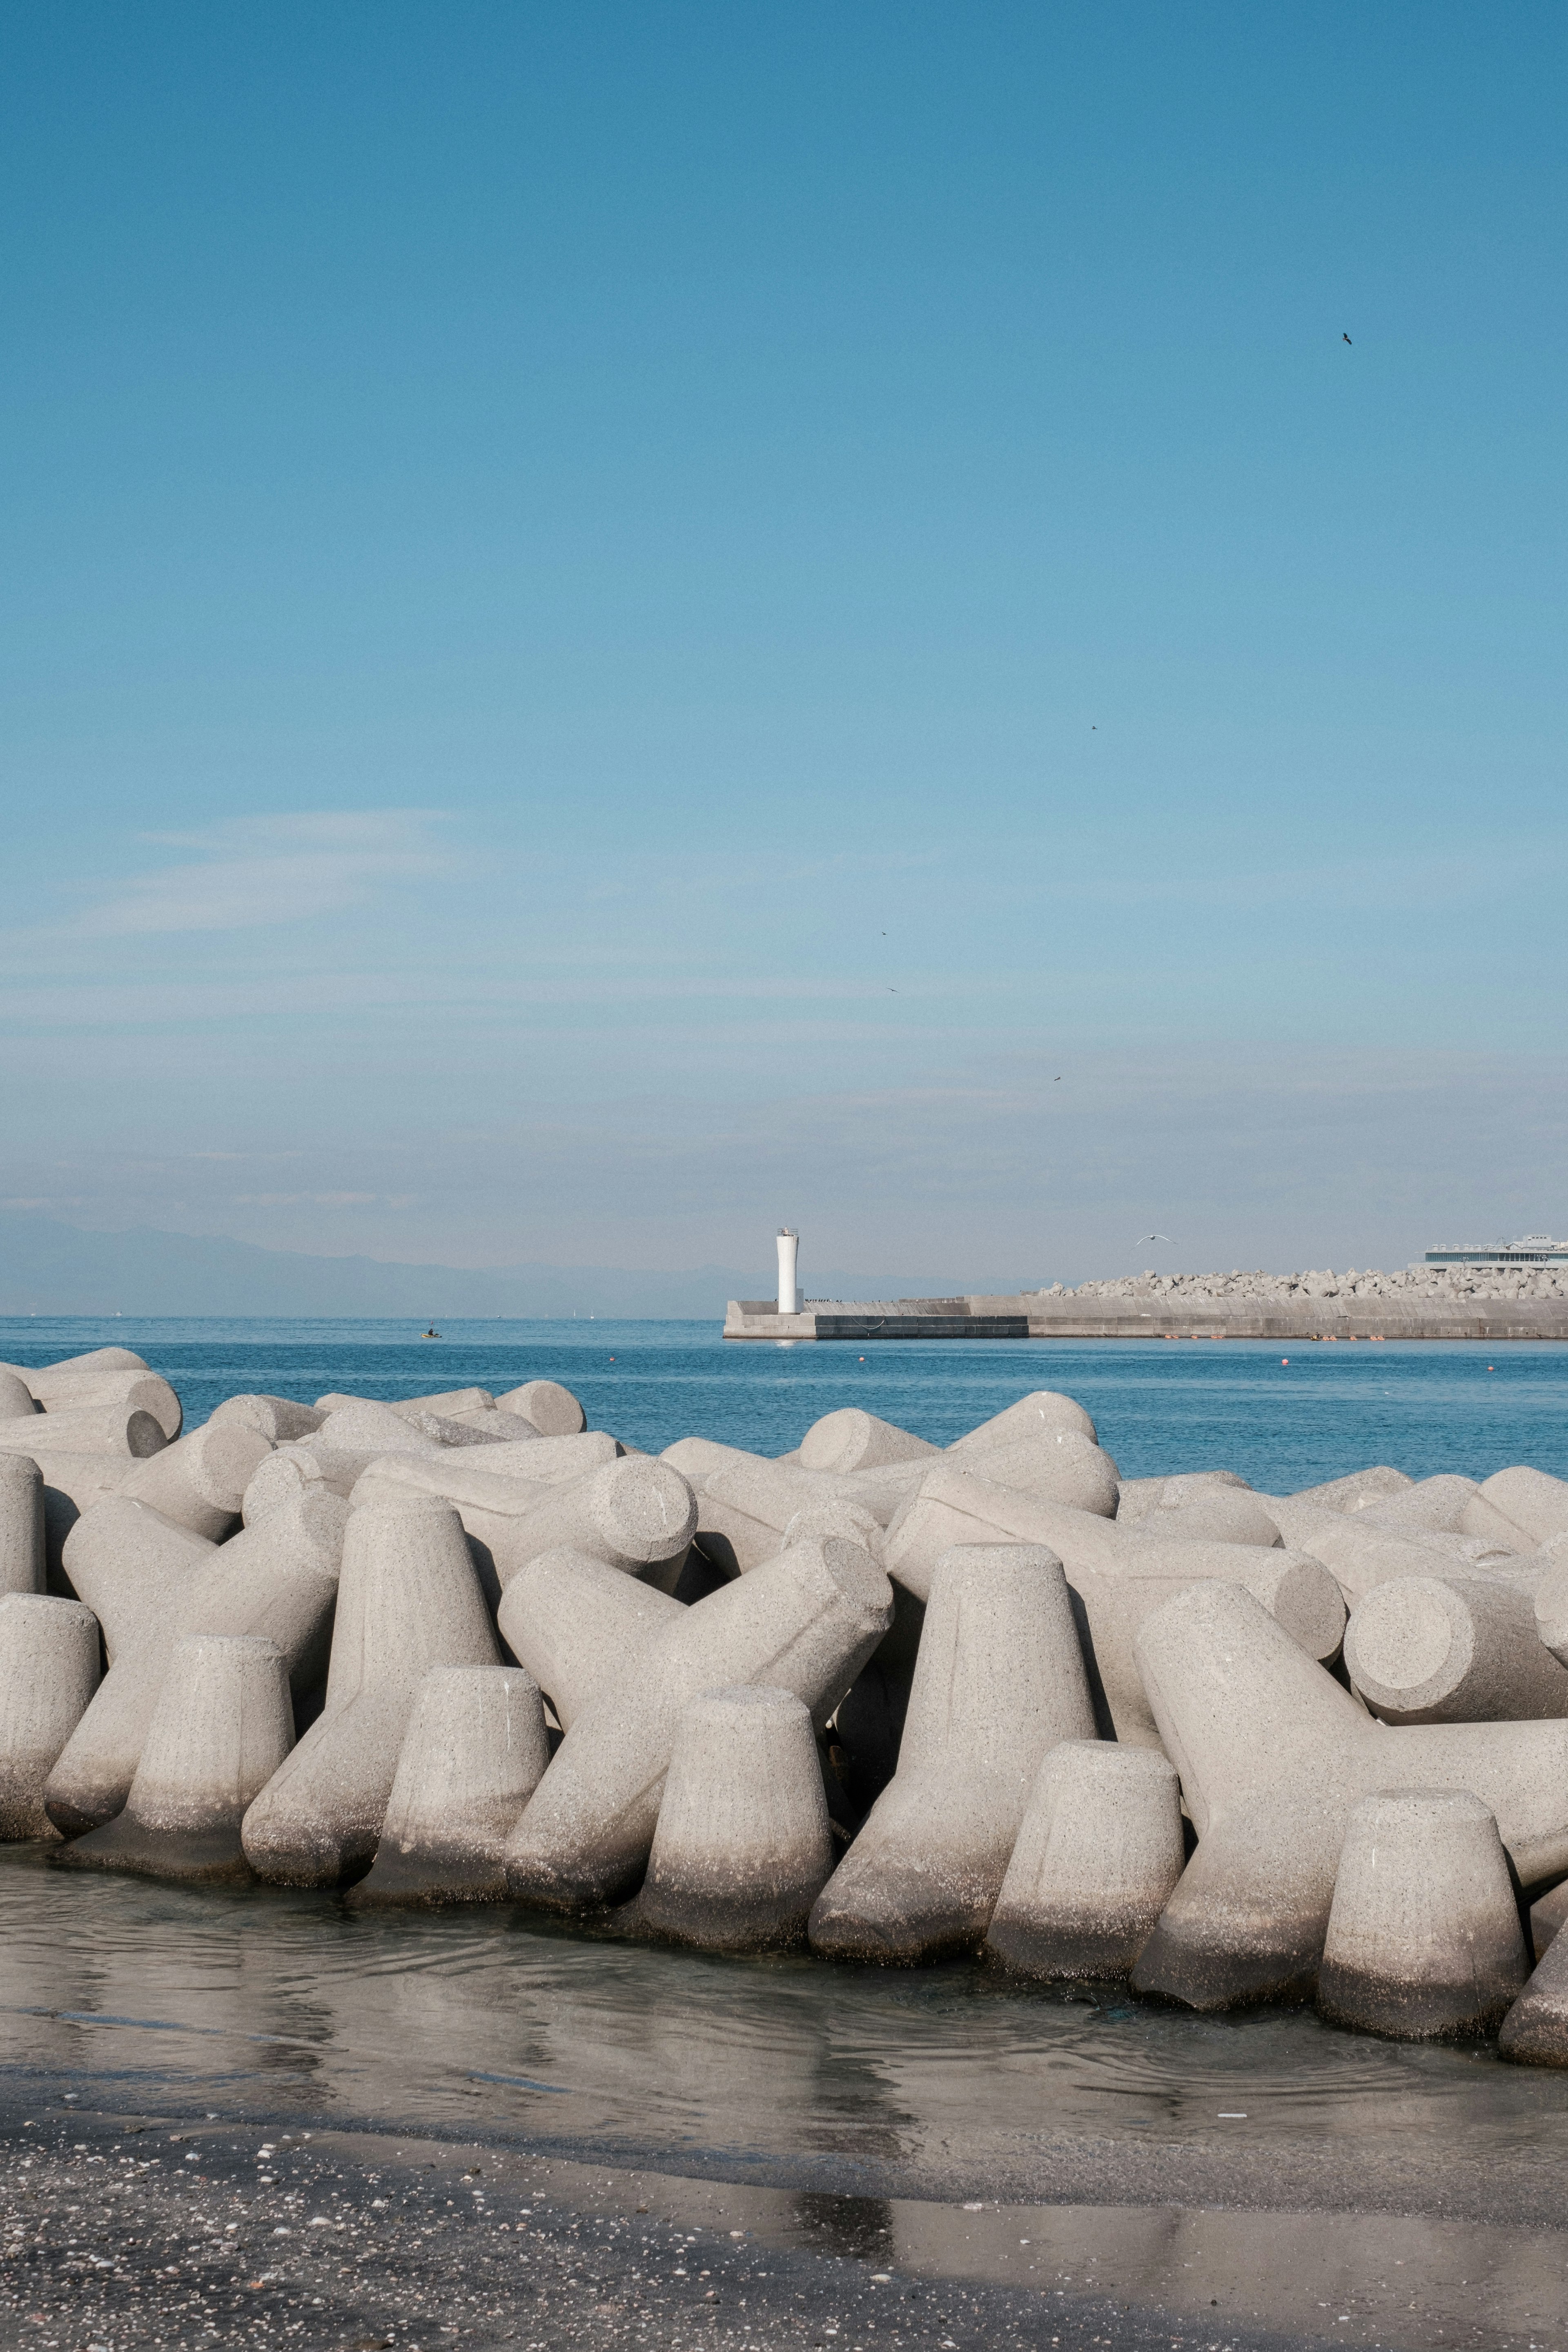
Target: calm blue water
<point x="1160" y="1405"/>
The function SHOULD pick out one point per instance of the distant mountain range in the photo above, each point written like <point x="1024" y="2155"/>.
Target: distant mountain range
<point x="47" y="1268"/>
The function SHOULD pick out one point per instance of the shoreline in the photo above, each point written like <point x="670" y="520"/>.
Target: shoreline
<point x="151" y="2227"/>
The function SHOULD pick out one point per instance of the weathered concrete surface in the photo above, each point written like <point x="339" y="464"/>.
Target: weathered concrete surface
<point x="998" y="1682"/>
<point x="1274" y="1756"/>
<point x="154" y="1584"/>
<point x="742" y="1848"/>
<point x="474" y="1752"/>
<point x="1424" y="1940"/>
<point x="1098" y="1856"/>
<point x="48" y="1672"/>
<point x="408" y="1600"/>
<point x="222" y="1725"/>
<point x="808" y="1623"/>
<point x="1452" y="1649"/>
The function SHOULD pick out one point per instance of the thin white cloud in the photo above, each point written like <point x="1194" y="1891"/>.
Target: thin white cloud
<point x="254" y="872"/>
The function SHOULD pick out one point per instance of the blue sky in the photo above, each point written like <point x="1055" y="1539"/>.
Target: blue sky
<point x="622" y="624"/>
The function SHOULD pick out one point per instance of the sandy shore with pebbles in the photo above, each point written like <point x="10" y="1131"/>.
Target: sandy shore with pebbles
<point x="122" y="2231"/>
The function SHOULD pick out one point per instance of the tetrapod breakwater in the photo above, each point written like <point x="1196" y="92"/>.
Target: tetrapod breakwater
<point x="873" y="1698"/>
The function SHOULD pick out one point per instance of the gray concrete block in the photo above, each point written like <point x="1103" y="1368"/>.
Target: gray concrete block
<point x="553" y="1410"/>
<point x="279" y="1419"/>
<point x="807" y="1622"/>
<point x="852" y="1439"/>
<point x="48" y="1380"/>
<point x="1452" y="1649"/>
<point x="1273" y="1755"/>
<point x="1430" y="1506"/>
<point x="473" y="1754"/>
<point x="1547" y="1914"/>
<point x="200" y="1480"/>
<point x="1097" y="1859"/>
<point x="1139" y="1496"/>
<point x="447" y="1402"/>
<point x="22" y="1557"/>
<point x="1535" y="1504"/>
<point x="1358" y="1487"/>
<point x="742" y="1848"/>
<point x="998" y="1682"/>
<point x="1424" y="1940"/>
<point x="125" y="1430"/>
<point x="1362" y="1557"/>
<point x="154" y="1584"/>
<point x="290" y="1471"/>
<point x="408" y="1600"/>
<point x="1042" y="1409"/>
<point x="222" y="1725"/>
<point x="1216" y="1513"/>
<point x="1535" y="2030"/>
<point x="633" y="1513"/>
<point x="133" y="1389"/>
<point x="130" y="1564"/>
<point x="580" y="1627"/>
<point x="48" y="1672"/>
<point x="1060" y="1466"/>
<point x="17" y="1400"/>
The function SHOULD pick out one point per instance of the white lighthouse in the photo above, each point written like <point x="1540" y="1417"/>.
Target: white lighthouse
<point x="789" y="1296"/>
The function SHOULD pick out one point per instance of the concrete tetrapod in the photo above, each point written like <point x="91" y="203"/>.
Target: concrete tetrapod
<point x="473" y="1754"/>
<point x="1452" y="1649"/>
<point x="578" y="1626"/>
<point x="553" y="1410"/>
<point x="1213" y="1514"/>
<point x="130" y="1565"/>
<point x="1057" y="1464"/>
<point x="1535" y="2030"/>
<point x="1362" y="1557"/>
<point x="1274" y="1756"/>
<point x="807" y="1622"/>
<point x="1443" y="1505"/>
<point x="1119" y="1578"/>
<point x="1424" y="1939"/>
<point x="1042" y="1409"/>
<point x="634" y="1514"/>
<point x="852" y="1439"/>
<point x="21" y="1524"/>
<point x="408" y="1599"/>
<point x="279" y="1419"/>
<point x="999" y="1681"/>
<point x="276" y="1580"/>
<point x="1354" y="1490"/>
<point x="1097" y="1857"/>
<point x="200" y="1480"/>
<point x="1536" y="1504"/>
<point x="47" y="1380"/>
<point x="125" y="1431"/>
<point x="48" y="1672"/>
<point x="743" y="1847"/>
<point x="221" y="1727"/>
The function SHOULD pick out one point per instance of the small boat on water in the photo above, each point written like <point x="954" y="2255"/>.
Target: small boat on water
<point x="431" y="1334"/>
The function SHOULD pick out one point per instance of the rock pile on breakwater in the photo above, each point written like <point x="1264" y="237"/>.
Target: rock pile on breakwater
<point x="1409" y="1284"/>
<point x="892" y="1700"/>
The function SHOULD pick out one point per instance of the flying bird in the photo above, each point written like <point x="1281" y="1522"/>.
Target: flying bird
<point x="1151" y="1237"/>
<point x="1346" y="339"/>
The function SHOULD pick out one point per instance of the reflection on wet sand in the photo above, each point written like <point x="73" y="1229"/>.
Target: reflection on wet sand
<point x="865" y="2109"/>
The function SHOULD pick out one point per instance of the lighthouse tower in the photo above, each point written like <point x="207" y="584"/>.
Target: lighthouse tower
<point x="789" y="1296"/>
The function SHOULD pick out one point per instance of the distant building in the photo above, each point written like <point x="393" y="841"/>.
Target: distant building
<point x="1535" y="1249"/>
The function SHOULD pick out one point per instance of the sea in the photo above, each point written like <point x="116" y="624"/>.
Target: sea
<point x="287" y="2009"/>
